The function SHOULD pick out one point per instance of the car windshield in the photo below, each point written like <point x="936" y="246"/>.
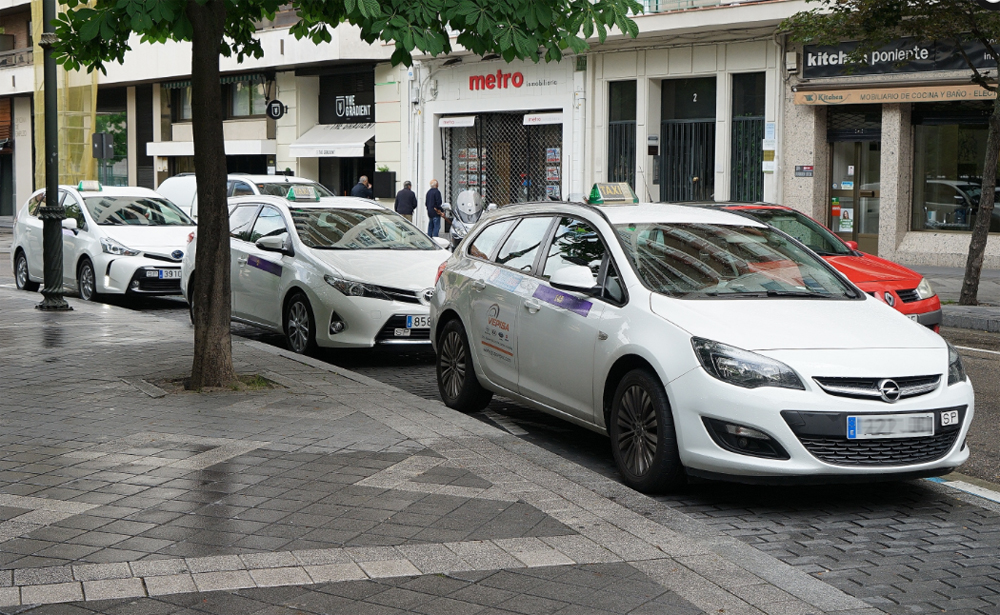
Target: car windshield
<point x="281" y="188"/>
<point x="705" y="261"/>
<point x="357" y="229"/>
<point x="802" y="227"/>
<point x="109" y="210"/>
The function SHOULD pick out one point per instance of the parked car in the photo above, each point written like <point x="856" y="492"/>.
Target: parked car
<point x="701" y="341"/>
<point x="115" y="241"/>
<point x="335" y="272"/>
<point x="182" y="189"/>
<point x="902" y="288"/>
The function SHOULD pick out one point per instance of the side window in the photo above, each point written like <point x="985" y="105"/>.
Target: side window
<point x="240" y="221"/>
<point x="269" y="223"/>
<point x="73" y="211"/>
<point x="521" y="247"/>
<point x="242" y="189"/>
<point x="487" y="240"/>
<point x="35" y="202"/>
<point x="614" y="288"/>
<point x="574" y="243"/>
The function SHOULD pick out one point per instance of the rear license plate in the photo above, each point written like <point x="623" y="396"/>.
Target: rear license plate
<point x="401" y="332"/>
<point x="170" y="274"/>
<point x="890" y="426"/>
<point x="418" y="322"/>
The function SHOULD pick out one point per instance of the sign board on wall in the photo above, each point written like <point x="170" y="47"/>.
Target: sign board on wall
<point x="900" y="56"/>
<point x="539" y="119"/>
<point x="863" y="96"/>
<point x="804" y="170"/>
<point x="462" y="121"/>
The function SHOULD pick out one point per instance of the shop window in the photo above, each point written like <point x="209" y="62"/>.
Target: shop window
<point x="621" y="132"/>
<point x="246" y="99"/>
<point x="181" y="103"/>
<point x="747" y="154"/>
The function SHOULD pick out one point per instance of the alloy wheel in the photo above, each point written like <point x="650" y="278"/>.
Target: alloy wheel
<point x="87" y="281"/>
<point x="21" y="271"/>
<point x="298" y="326"/>
<point x="452" y="364"/>
<point x="637" y="430"/>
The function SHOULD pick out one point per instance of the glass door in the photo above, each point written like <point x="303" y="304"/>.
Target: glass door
<point x="855" y="192"/>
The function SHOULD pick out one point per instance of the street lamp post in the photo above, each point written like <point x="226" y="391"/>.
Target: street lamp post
<point x="52" y="214"/>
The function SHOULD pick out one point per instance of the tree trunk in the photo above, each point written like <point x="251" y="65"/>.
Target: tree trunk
<point x="213" y="351"/>
<point x="981" y="229"/>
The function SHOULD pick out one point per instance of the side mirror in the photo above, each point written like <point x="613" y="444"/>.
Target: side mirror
<point x="852" y="245"/>
<point x="442" y="242"/>
<point x="70" y="224"/>
<point x="574" y="277"/>
<point x="491" y="207"/>
<point x="274" y="243"/>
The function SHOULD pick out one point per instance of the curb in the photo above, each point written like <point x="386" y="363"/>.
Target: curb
<point x="971" y="317"/>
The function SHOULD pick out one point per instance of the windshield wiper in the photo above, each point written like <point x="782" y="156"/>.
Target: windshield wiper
<point x="797" y="293"/>
<point x="760" y="294"/>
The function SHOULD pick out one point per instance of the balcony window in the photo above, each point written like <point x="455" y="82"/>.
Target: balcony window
<point x="247" y="99"/>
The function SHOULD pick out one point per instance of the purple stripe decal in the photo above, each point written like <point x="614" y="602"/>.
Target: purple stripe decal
<point x="563" y="300"/>
<point x="264" y="265"/>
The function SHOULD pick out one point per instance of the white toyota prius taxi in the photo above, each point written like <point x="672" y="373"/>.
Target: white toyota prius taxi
<point x="115" y="241"/>
<point x="701" y="342"/>
<point x="336" y="272"/>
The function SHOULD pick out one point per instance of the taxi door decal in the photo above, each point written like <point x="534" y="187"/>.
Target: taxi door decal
<point x="264" y="265"/>
<point x="563" y="300"/>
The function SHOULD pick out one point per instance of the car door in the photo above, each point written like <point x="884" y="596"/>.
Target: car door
<point x="241" y="221"/>
<point x="496" y="293"/>
<point x="33" y="235"/>
<point x="558" y="329"/>
<point x="260" y="277"/>
<point x="74" y="242"/>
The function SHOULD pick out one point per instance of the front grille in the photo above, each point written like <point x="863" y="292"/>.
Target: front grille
<point x="388" y="332"/>
<point x="868" y="388"/>
<point x="158" y="285"/>
<point x="880" y="452"/>
<point x="908" y="296"/>
<point x="398" y="294"/>
<point x="161" y="257"/>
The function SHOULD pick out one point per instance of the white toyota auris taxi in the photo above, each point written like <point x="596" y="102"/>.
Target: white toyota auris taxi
<point x="336" y="272"/>
<point x="702" y="342"/>
<point x="115" y="241"/>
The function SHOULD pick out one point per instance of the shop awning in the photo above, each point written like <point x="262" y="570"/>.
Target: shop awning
<point x="333" y="141"/>
<point x="892" y="94"/>
<point x="235" y="147"/>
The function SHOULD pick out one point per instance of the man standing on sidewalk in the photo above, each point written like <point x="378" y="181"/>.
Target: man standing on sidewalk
<point x="406" y="201"/>
<point x="363" y="189"/>
<point x="434" y="213"/>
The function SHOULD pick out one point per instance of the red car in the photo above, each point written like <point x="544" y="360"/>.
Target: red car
<point x="902" y="288"/>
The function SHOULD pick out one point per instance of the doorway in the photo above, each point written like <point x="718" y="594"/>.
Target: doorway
<point x="855" y="193"/>
<point x="687" y="132"/>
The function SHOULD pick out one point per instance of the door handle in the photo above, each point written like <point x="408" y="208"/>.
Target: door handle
<point x="532" y="306"/>
<point x="479" y="285"/>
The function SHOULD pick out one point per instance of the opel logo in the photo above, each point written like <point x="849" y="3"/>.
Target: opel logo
<point x="889" y="390"/>
<point x="889" y="298"/>
<point x="177" y="255"/>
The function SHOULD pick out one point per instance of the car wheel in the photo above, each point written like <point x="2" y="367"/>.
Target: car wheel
<point x="457" y="382"/>
<point x="300" y="329"/>
<point x="86" y="282"/>
<point x="643" y="440"/>
<point x="21" y="277"/>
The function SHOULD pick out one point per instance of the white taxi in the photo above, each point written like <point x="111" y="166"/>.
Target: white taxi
<point x="115" y="241"/>
<point x="336" y="272"/>
<point x="702" y="342"/>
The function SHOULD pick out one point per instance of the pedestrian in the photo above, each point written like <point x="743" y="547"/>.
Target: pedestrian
<point x="406" y="201"/>
<point x="433" y="202"/>
<point x="363" y="189"/>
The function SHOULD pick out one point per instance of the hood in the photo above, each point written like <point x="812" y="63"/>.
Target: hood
<point x="868" y="268"/>
<point x="159" y="239"/>
<point x="405" y="269"/>
<point x="796" y="324"/>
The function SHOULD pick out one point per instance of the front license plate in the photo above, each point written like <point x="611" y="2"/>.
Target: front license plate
<point x="890" y="426"/>
<point x="401" y="332"/>
<point x="170" y="274"/>
<point x="418" y="322"/>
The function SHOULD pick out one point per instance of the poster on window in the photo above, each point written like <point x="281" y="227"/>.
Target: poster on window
<point x="463" y="154"/>
<point x="552" y="174"/>
<point x="473" y="166"/>
<point x="462" y="166"/>
<point x="473" y="152"/>
<point x="473" y="180"/>
<point x="553" y="154"/>
<point x="552" y="191"/>
<point x="462" y="179"/>
<point x="482" y="153"/>
<point x="846" y="220"/>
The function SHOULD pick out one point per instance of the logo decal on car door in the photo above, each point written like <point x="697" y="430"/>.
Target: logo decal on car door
<point x="264" y="265"/>
<point x="559" y="299"/>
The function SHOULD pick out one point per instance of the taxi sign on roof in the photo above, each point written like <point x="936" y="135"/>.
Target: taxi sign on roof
<point x="89" y="185"/>
<point x="303" y="194"/>
<point x="606" y="194"/>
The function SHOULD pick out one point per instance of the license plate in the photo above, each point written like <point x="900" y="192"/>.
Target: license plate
<point x="401" y="332"/>
<point x="890" y="426"/>
<point x="170" y="274"/>
<point x="914" y="317"/>
<point x="418" y="322"/>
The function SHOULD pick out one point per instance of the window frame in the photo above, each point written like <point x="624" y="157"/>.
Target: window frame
<point x="230" y="100"/>
<point x="546" y="237"/>
<point x="602" y="273"/>
<point x="493" y="251"/>
<point x="253" y="219"/>
<point x="257" y="217"/>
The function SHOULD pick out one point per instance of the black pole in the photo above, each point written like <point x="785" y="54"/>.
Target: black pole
<point x="52" y="213"/>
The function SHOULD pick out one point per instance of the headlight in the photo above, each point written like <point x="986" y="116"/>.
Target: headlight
<point x="744" y="368"/>
<point x="956" y="371"/>
<point x="924" y="290"/>
<point x="352" y="288"/>
<point x="110" y="246"/>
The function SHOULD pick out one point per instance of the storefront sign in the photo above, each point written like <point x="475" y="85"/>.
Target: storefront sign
<point x="804" y="170"/>
<point x="355" y="107"/>
<point x="888" y="94"/>
<point x="498" y="80"/>
<point x="462" y="121"/>
<point x="538" y="119"/>
<point x="275" y="109"/>
<point x="901" y="56"/>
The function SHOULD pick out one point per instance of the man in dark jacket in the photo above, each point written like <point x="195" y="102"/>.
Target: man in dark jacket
<point x="433" y="202"/>
<point x="406" y="201"/>
<point x="363" y="189"/>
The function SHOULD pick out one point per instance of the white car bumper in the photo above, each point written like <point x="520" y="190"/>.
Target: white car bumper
<point x="118" y="275"/>
<point x="369" y="323"/>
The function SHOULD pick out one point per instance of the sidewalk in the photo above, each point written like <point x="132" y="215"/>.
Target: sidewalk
<point x="947" y="281"/>
<point x="332" y="494"/>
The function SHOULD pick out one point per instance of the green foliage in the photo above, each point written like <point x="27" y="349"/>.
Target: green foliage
<point x="94" y="33"/>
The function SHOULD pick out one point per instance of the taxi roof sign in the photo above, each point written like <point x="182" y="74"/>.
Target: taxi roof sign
<point x="303" y="193"/>
<point x="89" y="185"/>
<point x="608" y="194"/>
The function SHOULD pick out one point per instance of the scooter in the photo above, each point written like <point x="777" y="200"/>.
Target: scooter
<point x="466" y="213"/>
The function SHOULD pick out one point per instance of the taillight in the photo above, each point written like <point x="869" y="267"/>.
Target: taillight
<point x="440" y="271"/>
<point x="190" y="237"/>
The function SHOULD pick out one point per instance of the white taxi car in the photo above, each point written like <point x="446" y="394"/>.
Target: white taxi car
<point x="702" y="342"/>
<point x="182" y="189"/>
<point x="336" y="272"/>
<point x="115" y="241"/>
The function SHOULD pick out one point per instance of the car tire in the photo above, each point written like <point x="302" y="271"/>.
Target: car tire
<point x="643" y="440"/>
<point x="86" y="280"/>
<point x="456" y="375"/>
<point x="21" y="278"/>
<point x="300" y="326"/>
